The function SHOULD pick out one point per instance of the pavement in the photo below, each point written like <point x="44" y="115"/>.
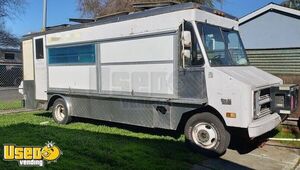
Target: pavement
<point x="272" y="156"/>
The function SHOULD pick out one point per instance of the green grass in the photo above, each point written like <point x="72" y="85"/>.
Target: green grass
<point x="284" y="134"/>
<point x="92" y="146"/>
<point x="11" y="105"/>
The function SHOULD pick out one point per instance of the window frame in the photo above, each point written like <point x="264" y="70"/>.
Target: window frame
<point x="225" y="41"/>
<point x="39" y="50"/>
<point x="194" y="47"/>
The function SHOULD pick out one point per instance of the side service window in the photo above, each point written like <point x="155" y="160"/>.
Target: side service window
<point x="83" y="54"/>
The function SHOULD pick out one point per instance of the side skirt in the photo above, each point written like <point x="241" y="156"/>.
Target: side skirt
<point x="152" y="114"/>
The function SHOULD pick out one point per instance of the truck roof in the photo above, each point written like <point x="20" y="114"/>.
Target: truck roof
<point x="131" y="16"/>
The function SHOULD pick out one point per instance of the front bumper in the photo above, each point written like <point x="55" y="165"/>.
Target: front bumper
<point x="263" y="125"/>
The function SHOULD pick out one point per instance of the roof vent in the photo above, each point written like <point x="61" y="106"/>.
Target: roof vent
<point x="57" y="27"/>
<point x="81" y="20"/>
<point x="148" y="5"/>
<point x="112" y="15"/>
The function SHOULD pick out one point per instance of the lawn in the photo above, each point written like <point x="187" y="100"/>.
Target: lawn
<point x="93" y="145"/>
<point x="10" y="105"/>
<point x="290" y="133"/>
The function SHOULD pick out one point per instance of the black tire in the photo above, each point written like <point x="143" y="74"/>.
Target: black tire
<point x="60" y="112"/>
<point x="219" y="144"/>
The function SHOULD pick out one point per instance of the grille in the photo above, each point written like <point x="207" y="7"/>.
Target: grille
<point x="262" y="103"/>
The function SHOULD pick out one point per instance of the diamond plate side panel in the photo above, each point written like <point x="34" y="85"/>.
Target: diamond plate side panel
<point x="115" y="110"/>
<point x="191" y="84"/>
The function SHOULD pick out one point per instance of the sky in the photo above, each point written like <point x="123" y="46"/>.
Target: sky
<point x="59" y="12"/>
<point x="31" y="19"/>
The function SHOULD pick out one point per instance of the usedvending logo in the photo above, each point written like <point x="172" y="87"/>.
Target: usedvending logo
<point x="31" y="156"/>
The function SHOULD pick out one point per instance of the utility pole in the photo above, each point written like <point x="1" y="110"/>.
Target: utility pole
<point x="45" y="16"/>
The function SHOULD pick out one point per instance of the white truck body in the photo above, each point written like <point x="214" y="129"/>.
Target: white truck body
<point x="138" y="69"/>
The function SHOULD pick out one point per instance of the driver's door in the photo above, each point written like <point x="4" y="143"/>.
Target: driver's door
<point x="191" y="79"/>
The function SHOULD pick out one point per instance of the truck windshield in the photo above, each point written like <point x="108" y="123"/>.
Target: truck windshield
<point x="223" y="46"/>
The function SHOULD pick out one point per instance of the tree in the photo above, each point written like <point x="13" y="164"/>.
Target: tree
<point x="7" y="39"/>
<point x="96" y="8"/>
<point x="295" y="4"/>
<point x="9" y="9"/>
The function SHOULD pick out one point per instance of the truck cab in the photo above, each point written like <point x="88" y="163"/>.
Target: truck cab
<point x="245" y="96"/>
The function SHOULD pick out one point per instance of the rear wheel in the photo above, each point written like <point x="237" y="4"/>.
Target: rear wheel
<point x="206" y="133"/>
<point x="60" y="112"/>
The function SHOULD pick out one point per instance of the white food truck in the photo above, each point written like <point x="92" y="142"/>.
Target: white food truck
<point x="180" y="67"/>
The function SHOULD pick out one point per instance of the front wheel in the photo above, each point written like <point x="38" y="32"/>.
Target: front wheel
<point x="60" y="112"/>
<point x="206" y="133"/>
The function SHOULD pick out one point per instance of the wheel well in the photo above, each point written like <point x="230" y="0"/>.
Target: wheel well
<point x="185" y="117"/>
<point x="52" y="100"/>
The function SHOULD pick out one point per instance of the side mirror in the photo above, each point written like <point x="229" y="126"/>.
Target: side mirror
<point x="187" y="39"/>
<point x="186" y="54"/>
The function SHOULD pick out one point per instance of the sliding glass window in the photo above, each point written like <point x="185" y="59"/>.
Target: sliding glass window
<point x="83" y="54"/>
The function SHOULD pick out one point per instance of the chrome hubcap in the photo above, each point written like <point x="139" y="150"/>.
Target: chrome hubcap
<point x="59" y="112"/>
<point x="205" y="135"/>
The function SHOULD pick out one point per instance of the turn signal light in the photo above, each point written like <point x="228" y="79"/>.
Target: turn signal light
<point x="231" y="115"/>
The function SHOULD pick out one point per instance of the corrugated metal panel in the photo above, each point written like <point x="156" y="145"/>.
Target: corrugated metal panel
<point x="276" y="61"/>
